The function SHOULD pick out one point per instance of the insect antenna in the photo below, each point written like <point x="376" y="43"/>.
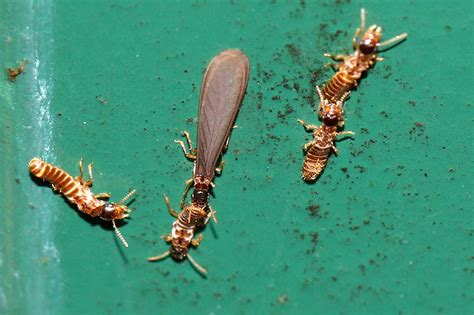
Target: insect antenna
<point x="392" y="40"/>
<point x="344" y="96"/>
<point x="197" y="266"/>
<point x="321" y="96"/>
<point x="126" y="197"/>
<point x="160" y="257"/>
<point x="362" y="20"/>
<point x="120" y="236"/>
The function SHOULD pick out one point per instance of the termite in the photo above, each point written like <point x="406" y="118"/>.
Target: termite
<point x="77" y="191"/>
<point x="352" y="67"/>
<point x="14" y="72"/>
<point x="318" y="150"/>
<point x="222" y="91"/>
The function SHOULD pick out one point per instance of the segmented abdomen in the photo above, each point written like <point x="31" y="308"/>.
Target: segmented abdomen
<point x="185" y="218"/>
<point x="315" y="161"/>
<point x="340" y="83"/>
<point x="193" y="217"/>
<point x="61" y="180"/>
<point x="183" y="231"/>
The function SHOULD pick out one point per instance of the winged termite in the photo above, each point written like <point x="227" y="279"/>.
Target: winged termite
<point x="222" y="91"/>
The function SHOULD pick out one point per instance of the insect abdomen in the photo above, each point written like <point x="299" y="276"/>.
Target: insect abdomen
<point x="315" y="161"/>
<point x="340" y="83"/>
<point x="184" y="217"/>
<point x="60" y="179"/>
<point x="192" y="217"/>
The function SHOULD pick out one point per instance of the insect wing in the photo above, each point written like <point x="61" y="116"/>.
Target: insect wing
<point x="223" y="88"/>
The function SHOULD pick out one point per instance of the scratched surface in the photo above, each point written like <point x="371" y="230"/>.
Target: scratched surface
<point x="386" y="230"/>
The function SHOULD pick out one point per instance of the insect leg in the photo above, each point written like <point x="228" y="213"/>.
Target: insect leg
<point x="192" y="152"/>
<point x="212" y="213"/>
<point x="220" y="167"/>
<point x="171" y="211"/>
<point x="103" y="196"/>
<point x="336" y="57"/>
<point x="348" y="133"/>
<point x="306" y="126"/>
<point x="80" y="178"/>
<point x="167" y="238"/>
<point x="91" y="178"/>
<point x="196" y="241"/>
<point x="334" y="66"/>
<point x="189" y="183"/>
<point x="186" y="153"/>
<point x="340" y="58"/>
<point x="188" y="139"/>
<point x="307" y="146"/>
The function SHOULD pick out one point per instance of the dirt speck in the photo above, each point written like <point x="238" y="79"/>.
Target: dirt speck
<point x="14" y="72"/>
<point x="313" y="210"/>
<point x="282" y="299"/>
<point x="102" y="100"/>
<point x="314" y="240"/>
<point x="360" y="168"/>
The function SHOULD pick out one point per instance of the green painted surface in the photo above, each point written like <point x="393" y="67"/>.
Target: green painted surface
<point x="386" y="230"/>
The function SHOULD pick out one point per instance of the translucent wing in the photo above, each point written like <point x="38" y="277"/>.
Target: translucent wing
<point x="223" y="88"/>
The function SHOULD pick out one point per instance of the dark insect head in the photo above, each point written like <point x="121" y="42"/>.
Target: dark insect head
<point x="331" y="113"/>
<point x="109" y="212"/>
<point x="369" y="42"/>
<point x="116" y="211"/>
<point x="178" y="252"/>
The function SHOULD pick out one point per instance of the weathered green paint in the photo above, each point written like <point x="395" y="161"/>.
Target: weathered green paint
<point x="386" y="230"/>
